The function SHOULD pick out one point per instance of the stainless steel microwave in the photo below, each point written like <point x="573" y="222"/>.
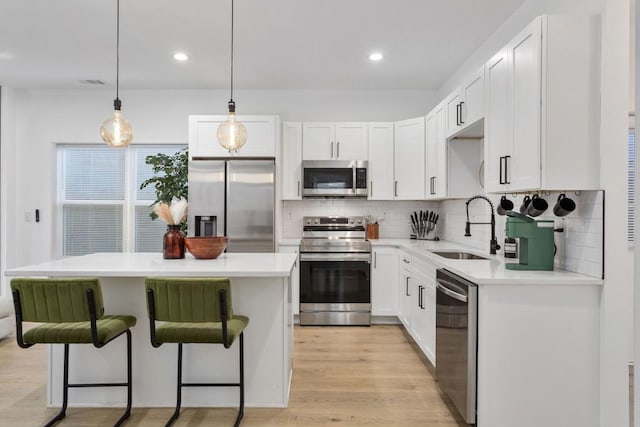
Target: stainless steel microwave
<point x="334" y="178"/>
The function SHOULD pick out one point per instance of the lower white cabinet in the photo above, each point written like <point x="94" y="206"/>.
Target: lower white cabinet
<point x="417" y="310"/>
<point x="384" y="273"/>
<point x="295" y="277"/>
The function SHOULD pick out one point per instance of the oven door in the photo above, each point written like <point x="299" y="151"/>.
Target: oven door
<point x="335" y="288"/>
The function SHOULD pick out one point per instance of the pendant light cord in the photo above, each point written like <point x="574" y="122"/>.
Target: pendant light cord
<point x="117" y="48"/>
<point x="231" y="100"/>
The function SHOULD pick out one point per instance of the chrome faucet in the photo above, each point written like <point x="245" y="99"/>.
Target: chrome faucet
<point x="494" y="246"/>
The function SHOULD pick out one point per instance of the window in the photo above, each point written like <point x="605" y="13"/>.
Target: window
<point x="101" y="206"/>
<point x="631" y="185"/>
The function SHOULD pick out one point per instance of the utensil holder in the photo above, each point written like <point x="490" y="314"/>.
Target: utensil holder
<point x="372" y="231"/>
<point x="428" y="233"/>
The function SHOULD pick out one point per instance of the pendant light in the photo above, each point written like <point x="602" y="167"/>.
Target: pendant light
<point x="116" y="131"/>
<point x="232" y="134"/>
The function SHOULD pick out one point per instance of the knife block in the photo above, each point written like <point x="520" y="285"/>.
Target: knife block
<point x="372" y="231"/>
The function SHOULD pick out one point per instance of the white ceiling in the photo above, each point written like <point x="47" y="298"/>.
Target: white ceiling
<point x="280" y="44"/>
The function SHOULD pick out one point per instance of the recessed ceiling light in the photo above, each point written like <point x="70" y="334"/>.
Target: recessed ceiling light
<point x="376" y="56"/>
<point x="181" y="56"/>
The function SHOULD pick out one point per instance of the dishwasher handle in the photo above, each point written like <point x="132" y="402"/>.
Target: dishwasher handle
<point x="445" y="290"/>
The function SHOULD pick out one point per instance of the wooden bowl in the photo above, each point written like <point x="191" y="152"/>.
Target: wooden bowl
<point x="205" y="247"/>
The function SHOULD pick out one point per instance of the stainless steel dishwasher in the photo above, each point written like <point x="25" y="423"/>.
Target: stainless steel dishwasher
<point x="457" y="341"/>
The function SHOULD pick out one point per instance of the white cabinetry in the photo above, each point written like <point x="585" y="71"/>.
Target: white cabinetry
<point x="541" y="99"/>
<point x="334" y="141"/>
<point x="384" y="278"/>
<point x="291" y="161"/>
<point x="465" y="105"/>
<point x="295" y="277"/>
<point x="262" y="134"/>
<point x="417" y="310"/>
<point x="409" y="159"/>
<point x="436" y="153"/>
<point x="381" y="174"/>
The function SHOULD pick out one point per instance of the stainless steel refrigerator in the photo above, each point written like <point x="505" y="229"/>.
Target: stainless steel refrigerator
<point x="233" y="198"/>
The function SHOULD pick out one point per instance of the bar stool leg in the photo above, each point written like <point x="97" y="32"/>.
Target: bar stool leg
<point x="65" y="390"/>
<point x="127" y="412"/>
<point x="241" y="410"/>
<point x="176" y="414"/>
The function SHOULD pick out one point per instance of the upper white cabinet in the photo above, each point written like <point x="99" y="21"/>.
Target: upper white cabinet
<point x="291" y="161"/>
<point x="541" y="99"/>
<point x="334" y="141"/>
<point x="436" y="153"/>
<point x="465" y="105"/>
<point x="380" y="170"/>
<point x="262" y="134"/>
<point x="409" y="159"/>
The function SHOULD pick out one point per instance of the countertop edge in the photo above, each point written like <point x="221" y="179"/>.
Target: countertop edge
<point x="572" y="279"/>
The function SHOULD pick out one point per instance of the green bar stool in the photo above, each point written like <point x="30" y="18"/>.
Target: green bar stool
<point x="195" y="310"/>
<point x="71" y="312"/>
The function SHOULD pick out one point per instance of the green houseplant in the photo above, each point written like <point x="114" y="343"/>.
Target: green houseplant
<point x="170" y="178"/>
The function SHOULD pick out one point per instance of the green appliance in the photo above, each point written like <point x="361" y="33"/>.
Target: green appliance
<point x="536" y="242"/>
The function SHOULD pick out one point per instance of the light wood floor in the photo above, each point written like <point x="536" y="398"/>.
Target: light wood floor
<point x="342" y="376"/>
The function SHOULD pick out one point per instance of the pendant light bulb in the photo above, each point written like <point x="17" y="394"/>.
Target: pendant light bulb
<point x="116" y="131"/>
<point x="232" y="134"/>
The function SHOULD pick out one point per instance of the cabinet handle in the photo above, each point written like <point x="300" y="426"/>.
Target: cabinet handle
<point x="298" y="188"/>
<point x="457" y="114"/>
<point x="405" y="261"/>
<point x="371" y="188"/>
<point x="406" y="290"/>
<point x="433" y="185"/>
<point x="338" y="150"/>
<point x="395" y="189"/>
<point x="375" y="259"/>
<point x="420" y="296"/>
<point x="461" y="121"/>
<point x="501" y="180"/>
<point x="506" y="173"/>
<point x="332" y="149"/>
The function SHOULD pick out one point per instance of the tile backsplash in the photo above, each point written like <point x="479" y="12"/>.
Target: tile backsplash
<point x="579" y="247"/>
<point x="393" y="216"/>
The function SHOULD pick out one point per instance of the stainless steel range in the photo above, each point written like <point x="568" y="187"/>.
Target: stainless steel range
<point x="335" y="263"/>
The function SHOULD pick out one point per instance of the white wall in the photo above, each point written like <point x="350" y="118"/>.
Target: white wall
<point x="516" y="22"/>
<point x="34" y="120"/>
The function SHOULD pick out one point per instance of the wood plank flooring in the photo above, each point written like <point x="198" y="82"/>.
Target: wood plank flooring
<point x="342" y="376"/>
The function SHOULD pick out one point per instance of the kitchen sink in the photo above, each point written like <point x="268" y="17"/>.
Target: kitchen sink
<point x="459" y="255"/>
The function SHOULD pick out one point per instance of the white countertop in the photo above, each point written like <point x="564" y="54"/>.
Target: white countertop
<point x="137" y="264"/>
<point x="485" y="272"/>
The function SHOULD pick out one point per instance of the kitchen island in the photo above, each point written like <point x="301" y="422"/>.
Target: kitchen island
<point x="260" y="284"/>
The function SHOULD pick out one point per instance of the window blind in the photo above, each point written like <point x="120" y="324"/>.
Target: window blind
<point x="631" y="185"/>
<point x="148" y="232"/>
<point x="93" y="173"/>
<point x="91" y="228"/>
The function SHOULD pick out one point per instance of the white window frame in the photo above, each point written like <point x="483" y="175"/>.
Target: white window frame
<point x="129" y="203"/>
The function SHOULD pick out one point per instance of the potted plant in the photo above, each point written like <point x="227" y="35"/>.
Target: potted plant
<point x="170" y="178"/>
